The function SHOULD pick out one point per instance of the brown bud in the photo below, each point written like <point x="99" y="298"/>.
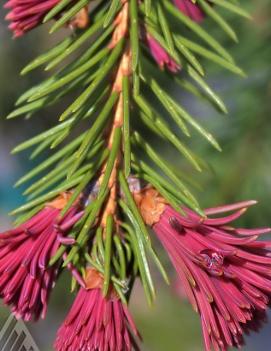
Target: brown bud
<point x="60" y="201"/>
<point x="151" y="204"/>
<point x="94" y="279"/>
<point x="81" y="19"/>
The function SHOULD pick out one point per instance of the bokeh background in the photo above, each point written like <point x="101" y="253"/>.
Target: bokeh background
<point x="242" y="171"/>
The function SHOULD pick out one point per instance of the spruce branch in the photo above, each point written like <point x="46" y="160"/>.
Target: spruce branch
<point x="109" y="77"/>
<point x="104" y="181"/>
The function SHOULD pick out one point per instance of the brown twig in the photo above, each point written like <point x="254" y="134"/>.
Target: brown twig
<point x="124" y="69"/>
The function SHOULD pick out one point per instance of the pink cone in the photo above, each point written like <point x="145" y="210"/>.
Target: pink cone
<point x="25" y="279"/>
<point x="225" y="271"/>
<point x="96" y="323"/>
<point x="161" y="56"/>
<point x="190" y="9"/>
<point x="25" y="15"/>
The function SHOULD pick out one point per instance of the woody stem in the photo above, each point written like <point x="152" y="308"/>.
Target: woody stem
<point x="124" y="70"/>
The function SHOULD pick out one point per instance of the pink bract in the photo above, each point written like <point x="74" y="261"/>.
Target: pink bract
<point x="190" y="9"/>
<point x="97" y="323"/>
<point x="225" y="271"/>
<point x="25" y="15"/>
<point x="161" y="56"/>
<point x="25" y="279"/>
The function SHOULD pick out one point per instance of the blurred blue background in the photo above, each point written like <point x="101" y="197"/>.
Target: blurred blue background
<point x="241" y="172"/>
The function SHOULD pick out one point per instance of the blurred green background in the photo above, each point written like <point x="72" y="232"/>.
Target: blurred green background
<point x="242" y="171"/>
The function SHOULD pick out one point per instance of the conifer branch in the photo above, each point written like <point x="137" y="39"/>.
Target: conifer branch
<point x="89" y="204"/>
